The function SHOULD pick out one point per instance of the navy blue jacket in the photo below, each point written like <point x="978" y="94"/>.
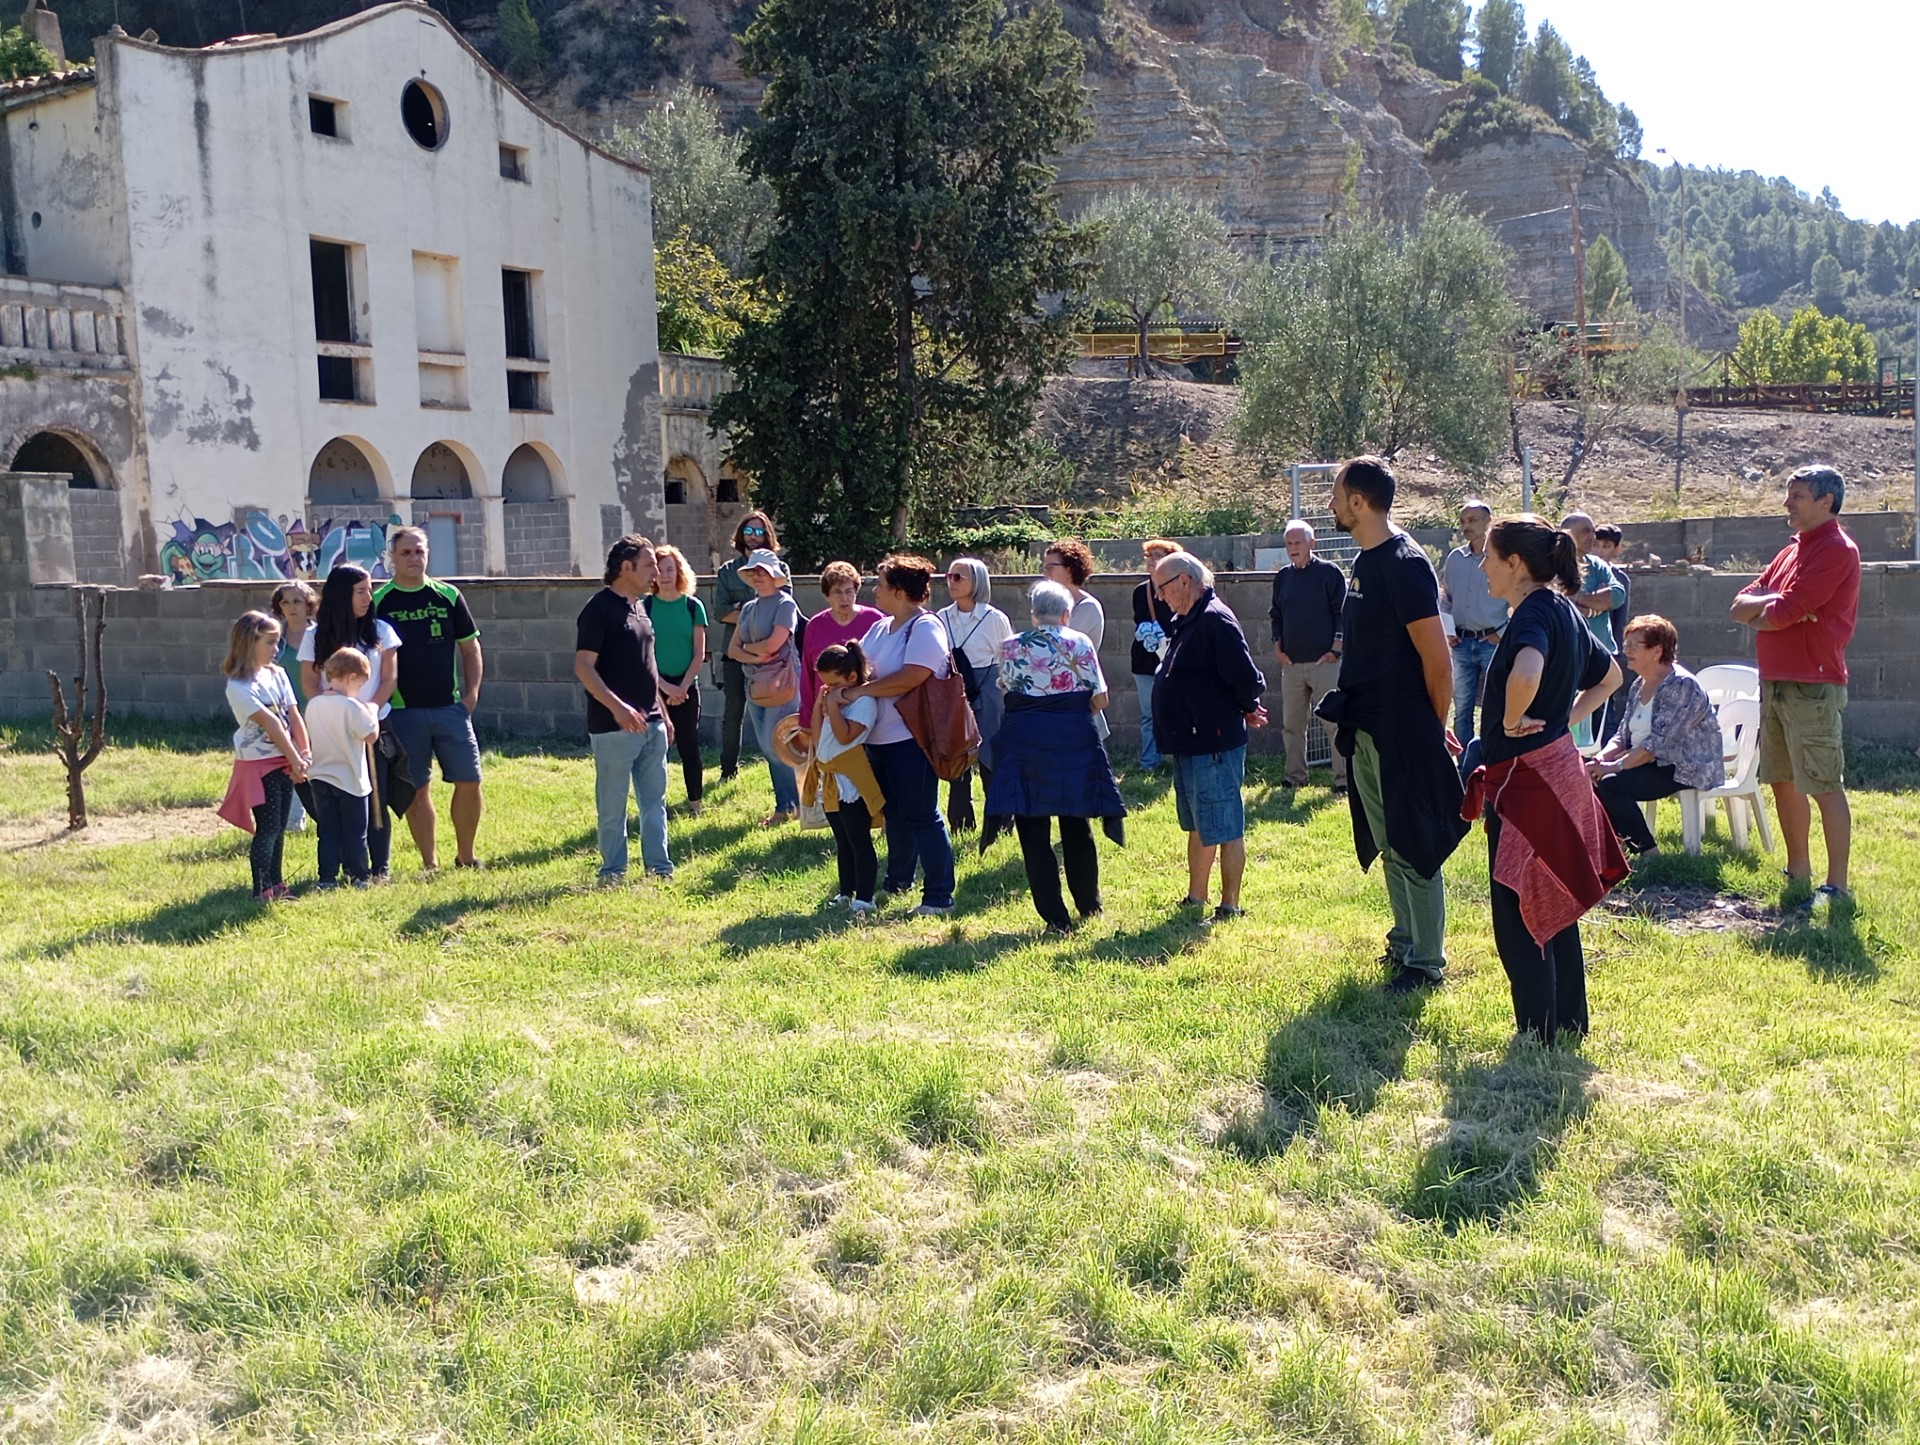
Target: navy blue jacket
<point x="1207" y="683"/>
<point x="1050" y="763"/>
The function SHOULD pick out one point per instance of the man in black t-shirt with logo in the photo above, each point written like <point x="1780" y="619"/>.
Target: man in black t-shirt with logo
<point x="437" y="691"/>
<point x="1395" y="695"/>
<point x="627" y="726"/>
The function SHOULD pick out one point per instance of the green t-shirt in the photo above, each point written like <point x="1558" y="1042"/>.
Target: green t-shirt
<point x="673" y="622"/>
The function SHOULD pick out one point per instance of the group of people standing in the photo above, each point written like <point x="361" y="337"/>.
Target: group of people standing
<point x="1449" y="695"/>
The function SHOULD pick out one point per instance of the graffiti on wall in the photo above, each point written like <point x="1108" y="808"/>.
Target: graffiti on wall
<point x="262" y="548"/>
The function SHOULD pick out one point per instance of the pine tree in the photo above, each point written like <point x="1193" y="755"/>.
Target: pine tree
<point x="1435" y="31"/>
<point x="1498" y="32"/>
<point x="1609" y="288"/>
<point x="1883" y="262"/>
<point x="915" y="233"/>
<point x="526" y="52"/>
<point x="1546" y="75"/>
<point x="1829" y="282"/>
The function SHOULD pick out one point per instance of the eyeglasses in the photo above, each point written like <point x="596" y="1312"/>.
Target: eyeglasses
<point x="1054" y="562"/>
<point x="956" y="576"/>
<point x="753" y="531"/>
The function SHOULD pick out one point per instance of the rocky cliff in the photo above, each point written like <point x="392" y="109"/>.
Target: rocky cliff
<point x="1259" y="109"/>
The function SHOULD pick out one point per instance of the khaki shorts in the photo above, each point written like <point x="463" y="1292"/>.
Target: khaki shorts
<point x="1800" y="735"/>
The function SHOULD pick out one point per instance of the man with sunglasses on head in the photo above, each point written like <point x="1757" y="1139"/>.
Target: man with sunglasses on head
<point x="731" y="592"/>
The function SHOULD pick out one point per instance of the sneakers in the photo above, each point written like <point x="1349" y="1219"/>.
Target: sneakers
<point x="1410" y="981"/>
<point x="839" y="900"/>
<point x="858" y="906"/>
<point x="1227" y="912"/>
<point x="931" y="910"/>
<point x="473" y="863"/>
<point x="1826" y="899"/>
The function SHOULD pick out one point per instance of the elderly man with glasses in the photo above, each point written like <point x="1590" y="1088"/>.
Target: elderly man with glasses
<point x="1206" y="696"/>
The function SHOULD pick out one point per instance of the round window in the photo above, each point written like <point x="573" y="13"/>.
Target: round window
<point x="424" y="114"/>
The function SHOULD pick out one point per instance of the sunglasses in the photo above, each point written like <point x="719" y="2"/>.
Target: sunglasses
<point x="956" y="576"/>
<point x="753" y="531"/>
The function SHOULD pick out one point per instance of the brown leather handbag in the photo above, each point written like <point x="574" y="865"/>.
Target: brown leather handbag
<point x="942" y="722"/>
<point x="769" y="684"/>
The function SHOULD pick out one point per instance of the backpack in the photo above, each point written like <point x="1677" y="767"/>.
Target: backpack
<point x="938" y="716"/>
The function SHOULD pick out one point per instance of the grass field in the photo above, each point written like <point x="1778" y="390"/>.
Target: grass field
<point x="509" y="1157"/>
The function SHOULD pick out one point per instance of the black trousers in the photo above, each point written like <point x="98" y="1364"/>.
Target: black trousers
<point x="270" y="830"/>
<point x="686" y="741"/>
<point x="1549" y="984"/>
<point x="1621" y="794"/>
<point x="733" y="684"/>
<point x="341" y="819"/>
<point x="1043" y="871"/>
<point x="853" y="848"/>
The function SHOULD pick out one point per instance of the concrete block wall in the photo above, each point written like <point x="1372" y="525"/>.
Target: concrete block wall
<point x="99" y="555"/>
<point x="163" y="649"/>
<point x="470" y="532"/>
<point x="538" y="537"/>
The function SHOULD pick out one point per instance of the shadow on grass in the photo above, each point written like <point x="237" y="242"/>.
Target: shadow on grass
<point x="570" y="846"/>
<point x="1291" y="805"/>
<point x="444" y="913"/>
<point x="1504" y="1124"/>
<point x="191" y="920"/>
<point x="1832" y="946"/>
<point x="1338" y="1052"/>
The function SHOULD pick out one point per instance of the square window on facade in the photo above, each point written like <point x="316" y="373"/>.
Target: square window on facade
<point x="327" y="117"/>
<point x="513" y="163"/>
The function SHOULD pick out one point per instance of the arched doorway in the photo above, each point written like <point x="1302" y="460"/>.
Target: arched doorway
<point x="93" y="507"/>
<point x="536" y="518"/>
<point x="689" y="510"/>
<point x="343" y="475"/>
<point x="49" y="451"/>
<point x="443" y="503"/>
<point x="347" y="507"/>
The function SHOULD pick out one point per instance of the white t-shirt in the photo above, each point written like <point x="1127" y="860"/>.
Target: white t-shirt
<point x="388" y="640"/>
<point x="977" y="634"/>
<point x="921" y="641"/>
<point x="861" y="712"/>
<point x="268" y="690"/>
<point x="337" y="730"/>
<point x="1640" y="724"/>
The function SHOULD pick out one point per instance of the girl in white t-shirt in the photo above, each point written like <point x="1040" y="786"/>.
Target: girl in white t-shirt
<point x="269" y="748"/>
<point x="345" y="618"/>
<point x="841" y="726"/>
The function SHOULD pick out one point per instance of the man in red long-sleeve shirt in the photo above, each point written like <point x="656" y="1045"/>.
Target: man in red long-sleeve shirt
<point x="1803" y="609"/>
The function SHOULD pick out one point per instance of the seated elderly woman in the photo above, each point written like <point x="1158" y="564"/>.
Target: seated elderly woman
<point x="1668" y="738"/>
<point x="1049" y="761"/>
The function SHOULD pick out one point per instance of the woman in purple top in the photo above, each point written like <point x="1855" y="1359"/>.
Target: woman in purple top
<point x="844" y="619"/>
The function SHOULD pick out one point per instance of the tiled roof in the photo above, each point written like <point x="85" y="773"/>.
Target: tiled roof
<point x="55" y="80"/>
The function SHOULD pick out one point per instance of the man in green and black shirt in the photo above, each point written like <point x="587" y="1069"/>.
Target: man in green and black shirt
<point x="437" y="692"/>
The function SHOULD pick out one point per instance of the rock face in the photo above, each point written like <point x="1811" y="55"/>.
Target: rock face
<point x="1253" y="107"/>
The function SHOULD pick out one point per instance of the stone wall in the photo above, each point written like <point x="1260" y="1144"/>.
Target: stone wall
<point x="538" y="537"/>
<point x="163" y="648"/>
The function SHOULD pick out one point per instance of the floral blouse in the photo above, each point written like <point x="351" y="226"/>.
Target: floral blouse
<point x="1046" y="660"/>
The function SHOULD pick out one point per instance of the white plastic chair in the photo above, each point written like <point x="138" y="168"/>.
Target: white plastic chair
<point x="1725" y="681"/>
<point x="1740" y="746"/>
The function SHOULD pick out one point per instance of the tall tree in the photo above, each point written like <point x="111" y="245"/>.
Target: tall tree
<point x="526" y="52"/>
<point x="1498" y="33"/>
<point x="1883" y="261"/>
<point x="1609" y="288"/>
<point x="1379" y="339"/>
<point x="1435" y="31"/>
<point x="1547" y="80"/>
<point x="915" y="234"/>
<point x="1157" y="253"/>
<point x="700" y="190"/>
<point x="1829" y="281"/>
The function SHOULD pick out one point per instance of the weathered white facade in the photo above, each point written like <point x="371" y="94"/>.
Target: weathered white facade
<point x="339" y="278"/>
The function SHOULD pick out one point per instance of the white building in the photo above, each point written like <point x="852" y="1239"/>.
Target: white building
<point x="265" y="297"/>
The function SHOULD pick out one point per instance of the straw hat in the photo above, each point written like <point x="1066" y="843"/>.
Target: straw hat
<point x="792" y="743"/>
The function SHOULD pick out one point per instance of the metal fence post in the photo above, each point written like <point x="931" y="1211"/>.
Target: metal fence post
<point x="1526" y="479"/>
<point x="1293" y="485"/>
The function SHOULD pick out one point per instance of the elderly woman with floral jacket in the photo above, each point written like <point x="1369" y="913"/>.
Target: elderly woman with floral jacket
<point x="1668" y="738"/>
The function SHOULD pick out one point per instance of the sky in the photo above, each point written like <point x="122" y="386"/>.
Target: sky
<point x="1820" y="93"/>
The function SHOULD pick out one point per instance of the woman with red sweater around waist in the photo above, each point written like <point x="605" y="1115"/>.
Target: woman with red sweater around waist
<point x="1550" y="849"/>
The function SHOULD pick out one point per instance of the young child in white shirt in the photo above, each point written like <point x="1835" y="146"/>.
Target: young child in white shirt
<point x="339" y="727"/>
<point x="842" y="730"/>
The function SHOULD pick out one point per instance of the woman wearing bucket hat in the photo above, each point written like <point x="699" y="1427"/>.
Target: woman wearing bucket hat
<point x="763" y="645"/>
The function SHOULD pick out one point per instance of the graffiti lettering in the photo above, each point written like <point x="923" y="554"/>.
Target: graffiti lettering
<point x="262" y="548"/>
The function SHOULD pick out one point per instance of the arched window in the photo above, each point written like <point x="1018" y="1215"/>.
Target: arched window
<point x="50" y="452"/>
<point x="342" y="475"/>
<point x="441" y="476"/>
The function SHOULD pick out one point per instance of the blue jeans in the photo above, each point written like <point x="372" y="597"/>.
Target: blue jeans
<point x="916" y="833"/>
<point x="786" y="790"/>
<point x="637" y="760"/>
<point x="341" y="818"/>
<point x="1149" y="750"/>
<point x="1471" y="659"/>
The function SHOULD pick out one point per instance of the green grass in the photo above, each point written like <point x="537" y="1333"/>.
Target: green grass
<point x="508" y="1157"/>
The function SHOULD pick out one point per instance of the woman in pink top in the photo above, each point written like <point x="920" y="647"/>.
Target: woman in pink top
<point x="844" y="619"/>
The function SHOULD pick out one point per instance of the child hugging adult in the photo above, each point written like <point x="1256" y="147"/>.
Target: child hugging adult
<point x="340" y="726"/>
<point x="345" y="618"/>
